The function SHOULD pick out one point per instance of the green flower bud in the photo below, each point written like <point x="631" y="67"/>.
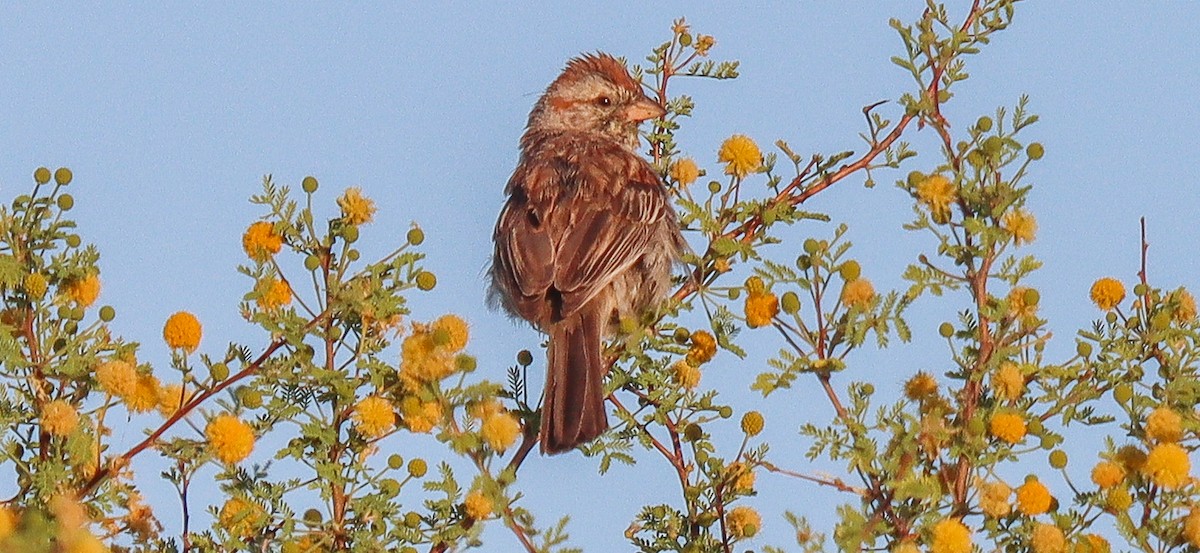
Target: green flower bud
<point x="350" y="233"/>
<point x="681" y="335"/>
<point x="107" y="313"/>
<point x="946" y="330"/>
<point x="915" y="178"/>
<point x="725" y="411"/>
<point x="1035" y="151"/>
<point x="804" y="262"/>
<point x="219" y="372"/>
<point x="1032" y="297"/>
<point x="993" y="145"/>
<point x="789" y="303"/>
<point x="389" y="486"/>
<point x="309" y="184"/>
<point x="426" y="281"/>
<point x="810" y="246"/>
<point x="395" y="461"/>
<point x="312" y="262"/>
<point x="312" y="517"/>
<point x="415" y="236"/>
<point x="417" y="467"/>
<point x="1084" y="349"/>
<point x="524" y="358"/>
<point x="352" y="255"/>
<point x="1139" y="289"/>
<point x="714" y="187"/>
<point x="250" y="397"/>
<point x="1123" y="392"/>
<point x="1058" y="459"/>
<point x="692" y="432"/>
<point x="465" y="363"/>
<point x="41" y="175"/>
<point x="62" y="176"/>
<point x="984" y="124"/>
<point x="412" y="519"/>
<point x="65" y="202"/>
<point x="850" y="270"/>
<point x="73" y="240"/>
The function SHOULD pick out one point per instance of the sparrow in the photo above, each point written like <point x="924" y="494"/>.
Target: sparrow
<point x="586" y="236"/>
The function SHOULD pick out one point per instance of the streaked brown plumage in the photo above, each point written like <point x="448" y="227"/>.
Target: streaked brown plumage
<point x="587" y="235"/>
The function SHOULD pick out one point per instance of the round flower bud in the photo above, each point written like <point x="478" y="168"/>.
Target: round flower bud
<point x="1084" y="349"/>
<point x="412" y="519"/>
<point x="692" y="432"/>
<point x="946" y="330"/>
<point x="415" y="236"/>
<point x="725" y="411"/>
<point x="810" y="246"/>
<point x="752" y="423"/>
<point x="1058" y="458"/>
<point x="352" y="255"/>
<point x="313" y="516"/>
<point x="389" y="486"/>
<point x="219" y="372"/>
<point x="1032" y="296"/>
<point x="350" y="233"/>
<point x="250" y="397"/>
<point x="714" y="187"/>
<point x="65" y="202"/>
<point x="804" y="262"/>
<point x="1123" y="392"/>
<point x="993" y="145"/>
<point x="309" y="184"/>
<point x="41" y="175"/>
<point x="426" y="280"/>
<point x="62" y="176"/>
<point x="984" y="124"/>
<point x="790" y="303"/>
<point x="312" y="262"/>
<point x="1035" y="151"/>
<point x="73" y="240"/>
<point x="107" y="313"/>
<point x="850" y="270"/>
<point x="681" y="335"/>
<point x="395" y="461"/>
<point x="417" y="467"/>
<point x="524" y="358"/>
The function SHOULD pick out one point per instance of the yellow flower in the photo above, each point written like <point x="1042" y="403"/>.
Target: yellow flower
<point x="230" y="438"/>
<point x="170" y="398"/>
<point x="993" y="499"/>
<point x="740" y="477"/>
<point x="937" y="192"/>
<point x="356" y="208"/>
<point x="743" y="522"/>
<point x="1047" y="538"/>
<point x="1118" y="499"/>
<point x="1019" y="305"/>
<point x="145" y="394"/>
<point x="241" y="517"/>
<point x="950" y="536"/>
<point x="1009" y="382"/>
<point x="740" y="155"/>
<point x="260" y="241"/>
<point x="418" y="416"/>
<point x="1092" y="543"/>
<point x="1164" y="425"/>
<point x="500" y="431"/>
<point x="117" y="377"/>
<point x="1191" y="527"/>
<point x="858" y="293"/>
<point x="1033" y="498"/>
<point x="752" y="423"/>
<point x="182" y="330"/>
<point x="1021" y="225"/>
<point x="921" y="386"/>
<point x="684" y="171"/>
<point x="35" y="285"/>
<point x="453" y="329"/>
<point x="704" y="43"/>
<point x="685" y="374"/>
<point x="1132" y="458"/>
<point x="1107" y="293"/>
<point x="85" y="290"/>
<point x="1107" y="474"/>
<point x="272" y="294"/>
<point x="422" y="360"/>
<point x="477" y="505"/>
<point x="374" y="416"/>
<point x="8" y="522"/>
<point x="1007" y="426"/>
<point x="81" y="541"/>
<point x="1185" y="306"/>
<point x="760" y="309"/>
<point x="59" y="418"/>
<point x="1167" y="465"/>
<point x="704" y="348"/>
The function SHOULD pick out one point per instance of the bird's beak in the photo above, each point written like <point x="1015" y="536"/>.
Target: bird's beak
<point x="644" y="109"/>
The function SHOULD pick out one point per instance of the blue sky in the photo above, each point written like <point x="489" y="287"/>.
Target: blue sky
<point x="170" y="116"/>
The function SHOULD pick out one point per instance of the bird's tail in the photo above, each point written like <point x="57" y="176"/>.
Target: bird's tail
<point x="573" y="409"/>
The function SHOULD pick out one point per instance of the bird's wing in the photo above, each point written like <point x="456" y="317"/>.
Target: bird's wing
<point x="524" y="255"/>
<point x="615" y="209"/>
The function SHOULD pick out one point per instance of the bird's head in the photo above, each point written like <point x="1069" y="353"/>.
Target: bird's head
<point x="595" y="95"/>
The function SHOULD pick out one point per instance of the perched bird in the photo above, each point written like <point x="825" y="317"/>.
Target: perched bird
<point x="587" y="235"/>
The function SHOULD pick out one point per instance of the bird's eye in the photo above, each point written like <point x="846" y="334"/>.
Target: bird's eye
<point x="604" y="100"/>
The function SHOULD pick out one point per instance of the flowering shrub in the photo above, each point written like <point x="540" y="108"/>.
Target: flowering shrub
<point x="952" y="465"/>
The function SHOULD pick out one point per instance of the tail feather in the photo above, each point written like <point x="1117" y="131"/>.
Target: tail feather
<point x="573" y="409"/>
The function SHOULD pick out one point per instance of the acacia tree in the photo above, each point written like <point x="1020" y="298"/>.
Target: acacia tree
<point x="347" y="371"/>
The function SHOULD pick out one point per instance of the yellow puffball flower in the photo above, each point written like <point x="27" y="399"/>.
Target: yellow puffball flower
<point x="743" y="522"/>
<point x="35" y="285"/>
<point x="858" y="293"/>
<point x="260" y="241"/>
<point x="8" y="522"/>
<point x="1132" y="458"/>
<point x="500" y="430"/>
<point x="1167" y="465"/>
<point x="230" y="439"/>
<point x="761" y="309"/>
<point x="993" y="499"/>
<point x="477" y="505"/>
<point x="704" y="348"/>
<point x="84" y="291"/>
<point x="1047" y="538"/>
<point x="1092" y="543"/>
<point x="950" y="536"/>
<point x="170" y="398"/>
<point x="1033" y="498"/>
<point x="1107" y="474"/>
<point x="1008" y="382"/>
<point x="272" y="294"/>
<point x="1118" y="500"/>
<point x="1191" y="527"/>
<point x="740" y="155"/>
<point x="752" y="423"/>
<point x="1007" y="426"/>
<point x="1164" y="425"/>
<point x="422" y="360"/>
<point x="1107" y="293"/>
<point x="356" y="208"/>
<point x="241" y="517"/>
<point x="704" y="43"/>
<point x="145" y="394"/>
<point x="455" y="330"/>
<point x="1021" y="225"/>
<point x="684" y="171"/>
<point x="59" y="418"/>
<point x="374" y="416"/>
<point x="182" y="331"/>
<point x="418" y="416"/>
<point x="921" y="386"/>
<point x="740" y="477"/>
<point x="117" y="377"/>
<point x="1018" y="303"/>
<point x="1185" y="306"/>
<point x="685" y="374"/>
<point x="937" y="193"/>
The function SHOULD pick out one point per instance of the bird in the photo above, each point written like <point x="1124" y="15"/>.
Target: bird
<point x="587" y="235"/>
